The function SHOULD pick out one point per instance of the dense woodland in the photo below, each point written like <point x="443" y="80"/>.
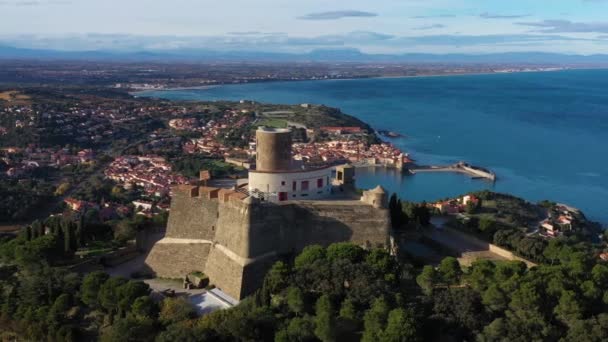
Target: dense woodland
<point x="338" y="293"/>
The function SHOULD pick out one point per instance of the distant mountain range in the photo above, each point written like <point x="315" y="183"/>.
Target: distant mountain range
<point x="333" y="56"/>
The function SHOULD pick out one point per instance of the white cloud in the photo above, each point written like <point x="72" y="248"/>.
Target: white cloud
<point x="333" y="15"/>
<point x="566" y="26"/>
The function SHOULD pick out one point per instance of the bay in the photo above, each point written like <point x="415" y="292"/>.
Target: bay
<point x="544" y="134"/>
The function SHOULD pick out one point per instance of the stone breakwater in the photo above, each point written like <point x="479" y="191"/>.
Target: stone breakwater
<point x="473" y="171"/>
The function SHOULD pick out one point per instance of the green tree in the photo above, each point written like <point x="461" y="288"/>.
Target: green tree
<point x="295" y="300"/>
<point x="58" y="311"/>
<point x="186" y="333"/>
<point x="277" y="278"/>
<point x="427" y="279"/>
<point x="552" y="251"/>
<point x="487" y="226"/>
<point x="41" y="250"/>
<point x="109" y="295"/>
<point x="345" y="251"/>
<point x="594" y="329"/>
<point x="130" y="329"/>
<point x="383" y="263"/>
<point x="298" y="329"/>
<point x="325" y="319"/>
<point x="79" y="234"/>
<point x="348" y="310"/>
<point x="495" y="299"/>
<point x="174" y="310"/>
<point x="129" y="292"/>
<point x="461" y="312"/>
<point x="144" y="307"/>
<point x="91" y="284"/>
<point x="599" y="273"/>
<point x="506" y="269"/>
<point x="495" y="331"/>
<point x="69" y="237"/>
<point x="374" y="321"/>
<point x="309" y="255"/>
<point x="450" y="271"/>
<point x="481" y="274"/>
<point x="526" y="298"/>
<point x="395" y="211"/>
<point x="569" y="309"/>
<point x="401" y="327"/>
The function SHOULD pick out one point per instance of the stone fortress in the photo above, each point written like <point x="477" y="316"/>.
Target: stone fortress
<point x="234" y="235"/>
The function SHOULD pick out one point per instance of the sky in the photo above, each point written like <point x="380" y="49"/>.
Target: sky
<point x="299" y="26"/>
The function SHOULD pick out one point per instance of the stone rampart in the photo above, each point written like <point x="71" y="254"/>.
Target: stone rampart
<point x="236" y="241"/>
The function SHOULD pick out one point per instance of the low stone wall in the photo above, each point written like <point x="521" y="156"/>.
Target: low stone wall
<point x="509" y="255"/>
<point x="490" y="247"/>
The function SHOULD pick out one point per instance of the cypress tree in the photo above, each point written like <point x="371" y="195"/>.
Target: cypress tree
<point x="37" y="230"/>
<point x="80" y="232"/>
<point x="399" y="214"/>
<point x="393" y="210"/>
<point x="26" y="233"/>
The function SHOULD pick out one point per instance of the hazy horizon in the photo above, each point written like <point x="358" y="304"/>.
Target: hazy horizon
<point x="381" y="27"/>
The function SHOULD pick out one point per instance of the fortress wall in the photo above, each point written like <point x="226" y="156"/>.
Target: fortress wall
<point x="225" y="273"/>
<point x="271" y="229"/>
<point x="235" y="242"/>
<point x="324" y="224"/>
<point x="233" y="227"/>
<point x="192" y="217"/>
<point x="281" y="229"/>
<point x="290" y="228"/>
<point x="175" y="260"/>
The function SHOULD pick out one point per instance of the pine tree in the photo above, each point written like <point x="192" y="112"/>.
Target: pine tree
<point x="401" y="326"/>
<point x="374" y="320"/>
<point x="324" y="320"/>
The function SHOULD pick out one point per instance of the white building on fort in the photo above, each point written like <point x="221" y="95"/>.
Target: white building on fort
<point x="278" y="177"/>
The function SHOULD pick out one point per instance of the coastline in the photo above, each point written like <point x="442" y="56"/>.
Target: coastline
<point x="139" y="92"/>
<point x="506" y="176"/>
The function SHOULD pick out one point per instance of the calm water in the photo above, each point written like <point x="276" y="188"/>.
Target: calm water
<point x="544" y="134"/>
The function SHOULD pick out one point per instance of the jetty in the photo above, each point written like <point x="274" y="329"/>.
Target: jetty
<point x="461" y="167"/>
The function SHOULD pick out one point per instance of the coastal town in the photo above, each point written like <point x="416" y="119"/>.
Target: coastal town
<point x="63" y="145"/>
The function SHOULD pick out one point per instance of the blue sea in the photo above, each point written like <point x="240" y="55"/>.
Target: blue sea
<point x="544" y="134"/>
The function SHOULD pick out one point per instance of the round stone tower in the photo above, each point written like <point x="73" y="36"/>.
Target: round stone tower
<point x="273" y="153"/>
<point x="376" y="197"/>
